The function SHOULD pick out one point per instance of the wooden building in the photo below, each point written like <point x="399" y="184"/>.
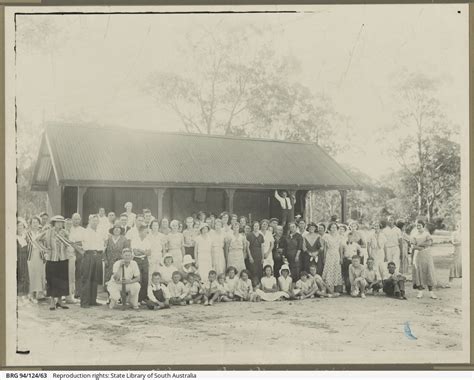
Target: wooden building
<point x="175" y="174"/>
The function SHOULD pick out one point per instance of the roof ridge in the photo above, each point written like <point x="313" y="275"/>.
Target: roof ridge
<point x="182" y="133"/>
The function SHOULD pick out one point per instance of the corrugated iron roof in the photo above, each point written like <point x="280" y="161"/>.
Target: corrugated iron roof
<point x="125" y="157"/>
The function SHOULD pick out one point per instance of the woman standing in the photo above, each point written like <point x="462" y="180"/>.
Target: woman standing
<point x="218" y="242"/>
<point x="157" y="249"/>
<point x="131" y="215"/>
<point x="176" y="244"/>
<point x="455" y="271"/>
<point x="225" y="223"/>
<point x="423" y="266"/>
<point x="404" y="252"/>
<point x="36" y="268"/>
<point x="202" y="252"/>
<point x="268" y="243"/>
<point x="312" y="245"/>
<point x="376" y="248"/>
<point x="256" y="245"/>
<point x="165" y="226"/>
<point x="114" y="247"/>
<point x="359" y="239"/>
<point x="236" y="249"/>
<point x="57" y="279"/>
<point x="22" y="278"/>
<point x="332" y="267"/>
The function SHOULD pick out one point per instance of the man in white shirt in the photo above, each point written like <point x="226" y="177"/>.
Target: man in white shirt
<point x="133" y="232"/>
<point x="148" y="217"/>
<point x="394" y="282"/>
<point x="141" y="248"/>
<point x="91" y="269"/>
<point x="394" y="242"/>
<point x="286" y="204"/>
<point x="125" y="272"/>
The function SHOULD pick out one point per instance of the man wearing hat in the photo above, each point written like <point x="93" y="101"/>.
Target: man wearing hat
<point x="91" y="269"/>
<point x="114" y="246"/>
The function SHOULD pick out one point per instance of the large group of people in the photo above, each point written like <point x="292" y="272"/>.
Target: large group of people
<point x="210" y="258"/>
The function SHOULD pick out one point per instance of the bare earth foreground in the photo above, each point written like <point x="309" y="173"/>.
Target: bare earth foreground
<point x="242" y="333"/>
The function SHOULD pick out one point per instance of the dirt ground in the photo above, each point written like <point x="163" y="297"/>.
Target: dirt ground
<point x="273" y="333"/>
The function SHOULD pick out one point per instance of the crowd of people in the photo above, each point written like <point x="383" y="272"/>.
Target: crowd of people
<point x="211" y="258"/>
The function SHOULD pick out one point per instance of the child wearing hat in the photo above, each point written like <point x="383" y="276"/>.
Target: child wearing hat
<point x="178" y="291"/>
<point x="285" y="282"/>
<point x="188" y="265"/>
<point x="167" y="269"/>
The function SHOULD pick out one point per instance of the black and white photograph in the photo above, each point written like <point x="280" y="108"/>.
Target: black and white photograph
<point x="237" y="185"/>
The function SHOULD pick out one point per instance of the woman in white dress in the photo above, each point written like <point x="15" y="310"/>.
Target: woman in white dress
<point x="157" y="248"/>
<point x="267" y="243"/>
<point x="202" y="252"/>
<point x="218" y="241"/>
<point x="176" y="244"/>
<point x="423" y="272"/>
<point x="36" y="262"/>
<point x="376" y="248"/>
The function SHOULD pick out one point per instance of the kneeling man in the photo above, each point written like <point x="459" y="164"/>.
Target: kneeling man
<point x="126" y="277"/>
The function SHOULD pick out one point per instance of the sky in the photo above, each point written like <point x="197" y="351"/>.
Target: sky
<point x="92" y="67"/>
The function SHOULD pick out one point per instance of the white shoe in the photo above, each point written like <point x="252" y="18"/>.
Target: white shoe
<point x="362" y="295"/>
<point x="420" y="294"/>
<point x="112" y="304"/>
<point x="433" y="296"/>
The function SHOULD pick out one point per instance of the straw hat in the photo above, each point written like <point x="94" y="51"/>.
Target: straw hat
<point x="285" y="267"/>
<point x="57" y="218"/>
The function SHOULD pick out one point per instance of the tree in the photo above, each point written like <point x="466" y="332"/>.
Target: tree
<point x="233" y="87"/>
<point x="423" y="143"/>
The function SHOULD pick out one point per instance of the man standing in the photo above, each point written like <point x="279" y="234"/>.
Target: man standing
<point x="293" y="245"/>
<point x="394" y="242"/>
<point x="133" y="232"/>
<point x="91" y="269"/>
<point x="273" y="224"/>
<point x="148" y="217"/>
<point x="123" y="222"/>
<point x="76" y="235"/>
<point x="141" y="248"/>
<point x="286" y="204"/>
<point x="44" y="221"/>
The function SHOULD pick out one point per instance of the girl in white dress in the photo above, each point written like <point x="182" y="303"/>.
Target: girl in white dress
<point x="268" y="288"/>
<point x="202" y="251"/>
<point x="217" y="252"/>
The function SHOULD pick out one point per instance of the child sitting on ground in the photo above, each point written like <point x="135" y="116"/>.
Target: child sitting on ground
<point x="356" y="277"/>
<point x="188" y="265"/>
<point x="231" y="280"/>
<point x="305" y="286"/>
<point x="285" y="282"/>
<point x="158" y="295"/>
<point x="244" y="290"/>
<point x="167" y="269"/>
<point x="178" y="291"/>
<point x="372" y="277"/>
<point x="320" y="288"/>
<point x="211" y="289"/>
<point x="194" y="288"/>
<point x="394" y="283"/>
<point x="224" y="294"/>
<point x="268" y="288"/>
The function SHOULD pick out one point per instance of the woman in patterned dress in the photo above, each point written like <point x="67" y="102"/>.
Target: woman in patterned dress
<point x="218" y="241"/>
<point x="236" y="249"/>
<point x="36" y="267"/>
<point x="113" y="249"/>
<point x="332" y="267"/>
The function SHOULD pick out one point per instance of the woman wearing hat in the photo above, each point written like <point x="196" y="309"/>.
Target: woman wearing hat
<point x="57" y="263"/>
<point x="203" y="251"/>
<point x="114" y="247"/>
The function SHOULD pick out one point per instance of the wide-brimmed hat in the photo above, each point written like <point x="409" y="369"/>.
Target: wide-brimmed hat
<point x="285" y="267"/>
<point x="122" y="230"/>
<point x="57" y="218"/>
<point x="165" y="256"/>
<point x="187" y="259"/>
